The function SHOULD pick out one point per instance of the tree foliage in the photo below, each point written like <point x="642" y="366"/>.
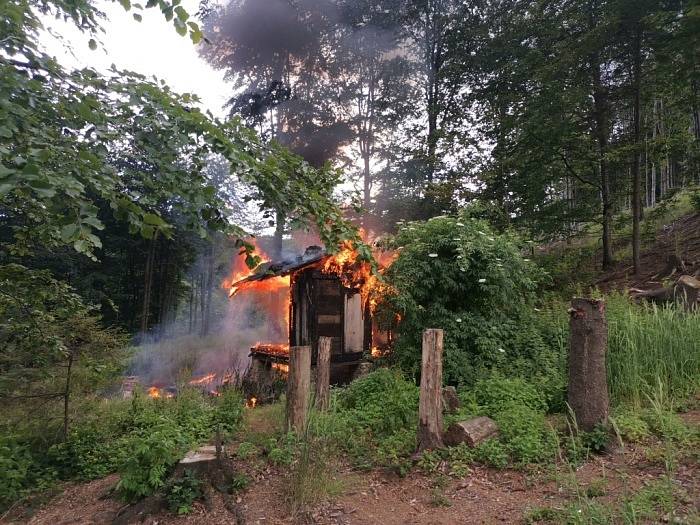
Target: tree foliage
<point x="459" y="275"/>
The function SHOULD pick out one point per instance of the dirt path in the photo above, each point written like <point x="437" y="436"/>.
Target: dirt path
<point x="484" y="496"/>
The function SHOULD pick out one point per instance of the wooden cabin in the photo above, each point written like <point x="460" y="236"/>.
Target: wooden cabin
<point x="320" y="305"/>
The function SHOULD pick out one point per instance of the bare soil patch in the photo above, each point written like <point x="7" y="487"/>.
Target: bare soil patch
<point x="484" y="496"/>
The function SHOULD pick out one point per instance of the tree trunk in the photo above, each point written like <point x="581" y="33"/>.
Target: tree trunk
<point x="148" y="283"/>
<point x="66" y="397"/>
<point x="195" y="300"/>
<point x="323" y="373"/>
<point x="279" y="235"/>
<point x="191" y="307"/>
<point x="588" y="383"/>
<point x="202" y="300"/>
<point x="209" y="287"/>
<point x="636" y="175"/>
<point x="298" y="385"/>
<point x="430" y="403"/>
<point x="600" y="114"/>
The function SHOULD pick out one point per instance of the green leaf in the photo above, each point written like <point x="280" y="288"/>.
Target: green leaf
<point x="153" y="220"/>
<point x="126" y="4"/>
<point x="30" y="169"/>
<point x="92" y="44"/>
<point x="137" y="17"/>
<point x="94" y="222"/>
<point x="70" y="232"/>
<point x="81" y="246"/>
<point x="6" y="172"/>
<point x="180" y="27"/>
<point x="181" y="13"/>
<point x="94" y="240"/>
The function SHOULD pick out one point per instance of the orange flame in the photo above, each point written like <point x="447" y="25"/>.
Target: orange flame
<point x="154" y="392"/>
<point x="271" y="294"/>
<point x="283" y="368"/>
<point x="204" y="380"/>
<point x="357" y="274"/>
<point x="251" y="402"/>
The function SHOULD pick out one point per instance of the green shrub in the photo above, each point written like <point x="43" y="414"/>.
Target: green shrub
<point x="183" y="492"/>
<point x="542" y="515"/>
<point x="596" y="440"/>
<point x="245" y="450"/>
<point x="151" y="455"/>
<point x="497" y="394"/>
<point x="492" y="452"/>
<point x="280" y="452"/>
<point x="665" y="424"/>
<point x="88" y="453"/>
<point x="382" y="402"/>
<point x="459" y="275"/>
<point x="695" y="199"/>
<point x="429" y="461"/>
<point x="393" y="451"/>
<point x="239" y="481"/>
<point x="523" y="434"/>
<point x="228" y="413"/>
<point x="16" y="465"/>
<point x="192" y="413"/>
<point x="630" y="426"/>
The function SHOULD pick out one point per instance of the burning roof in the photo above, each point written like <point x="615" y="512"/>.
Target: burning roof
<point x="312" y="255"/>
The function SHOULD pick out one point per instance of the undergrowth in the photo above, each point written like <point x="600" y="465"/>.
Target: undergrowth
<point x="141" y="438"/>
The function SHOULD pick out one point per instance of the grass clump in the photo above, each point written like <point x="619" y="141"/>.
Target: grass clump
<point x="246" y="450"/>
<point x="239" y="482"/>
<point x="651" y="345"/>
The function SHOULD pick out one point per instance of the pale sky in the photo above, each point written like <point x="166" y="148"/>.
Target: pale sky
<point x="149" y="47"/>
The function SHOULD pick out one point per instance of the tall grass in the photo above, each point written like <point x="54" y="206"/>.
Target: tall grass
<point x="648" y="345"/>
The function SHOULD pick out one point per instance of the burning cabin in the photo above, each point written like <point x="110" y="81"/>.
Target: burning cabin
<point x="325" y="299"/>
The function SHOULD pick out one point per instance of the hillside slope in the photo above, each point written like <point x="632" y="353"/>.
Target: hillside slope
<point x="679" y="238"/>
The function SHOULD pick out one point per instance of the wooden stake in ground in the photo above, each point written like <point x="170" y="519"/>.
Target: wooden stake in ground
<point x="430" y="405"/>
<point x="588" y="381"/>
<point x="323" y="373"/>
<point x="298" y="386"/>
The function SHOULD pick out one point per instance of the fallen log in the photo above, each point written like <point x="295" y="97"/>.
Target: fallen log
<point x="472" y="432"/>
<point x="685" y="291"/>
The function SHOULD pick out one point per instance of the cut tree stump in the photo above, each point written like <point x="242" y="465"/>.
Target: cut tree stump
<point x="450" y="400"/>
<point x="215" y="473"/>
<point x="472" y="432"/>
<point x="430" y="403"/>
<point x="323" y="373"/>
<point x="298" y="386"/>
<point x="588" y="382"/>
<point x="687" y="291"/>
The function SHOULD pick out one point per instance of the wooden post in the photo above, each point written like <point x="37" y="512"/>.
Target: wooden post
<point x="323" y="373"/>
<point x="298" y="385"/>
<point x="588" y="381"/>
<point x="430" y="405"/>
